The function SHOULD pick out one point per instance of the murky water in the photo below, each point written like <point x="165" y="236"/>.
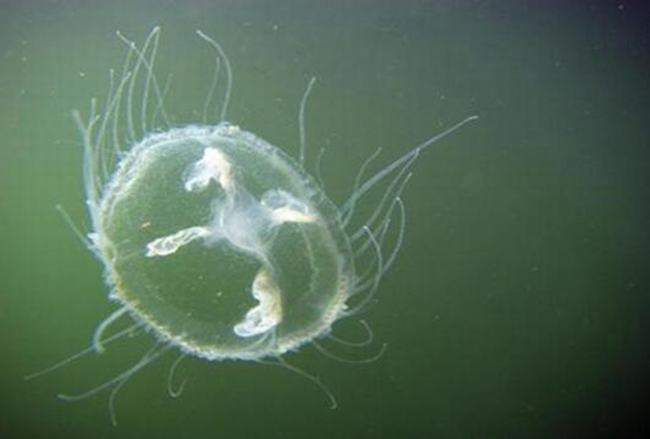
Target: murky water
<point x="519" y="303"/>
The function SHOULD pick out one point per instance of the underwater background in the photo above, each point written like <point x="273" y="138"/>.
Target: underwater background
<point x="520" y="303"/>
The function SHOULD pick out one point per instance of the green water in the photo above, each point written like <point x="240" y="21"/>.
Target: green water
<point x="519" y="305"/>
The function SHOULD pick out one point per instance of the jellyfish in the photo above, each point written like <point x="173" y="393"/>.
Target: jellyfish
<point x="217" y="243"/>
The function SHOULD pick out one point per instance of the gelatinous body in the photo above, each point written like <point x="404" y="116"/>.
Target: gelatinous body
<point x="222" y="244"/>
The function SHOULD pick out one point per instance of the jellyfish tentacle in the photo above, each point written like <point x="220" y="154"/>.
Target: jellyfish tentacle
<point x="349" y="208"/>
<point x="226" y="62"/>
<point x="90" y="349"/>
<point x="370" y="336"/>
<point x="301" y="121"/>
<point x="151" y="355"/>
<point x="99" y="332"/>
<point x="332" y="356"/>
<point x="213" y="86"/>
<point x="280" y="361"/>
<point x="381" y="174"/>
<point x="175" y="392"/>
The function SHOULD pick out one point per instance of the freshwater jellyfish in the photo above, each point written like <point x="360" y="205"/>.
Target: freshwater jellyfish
<point x="214" y="241"/>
